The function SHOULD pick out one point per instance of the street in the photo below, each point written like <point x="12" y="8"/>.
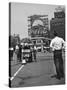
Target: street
<point x="36" y="73"/>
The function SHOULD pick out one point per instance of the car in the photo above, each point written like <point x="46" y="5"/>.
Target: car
<point x="39" y="49"/>
<point x="46" y="49"/>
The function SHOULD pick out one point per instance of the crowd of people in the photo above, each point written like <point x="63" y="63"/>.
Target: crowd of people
<point x="18" y="51"/>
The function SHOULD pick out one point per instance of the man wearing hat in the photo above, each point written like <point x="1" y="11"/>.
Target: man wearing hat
<point x="57" y="44"/>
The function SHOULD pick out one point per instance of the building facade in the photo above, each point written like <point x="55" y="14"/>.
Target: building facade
<point x="58" y="23"/>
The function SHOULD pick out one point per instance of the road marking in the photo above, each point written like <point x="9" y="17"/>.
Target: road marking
<point x="16" y="73"/>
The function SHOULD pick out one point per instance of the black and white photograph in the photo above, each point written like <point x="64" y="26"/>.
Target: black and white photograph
<point x="36" y="44"/>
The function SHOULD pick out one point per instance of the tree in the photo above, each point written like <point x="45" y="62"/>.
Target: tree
<point x="13" y="40"/>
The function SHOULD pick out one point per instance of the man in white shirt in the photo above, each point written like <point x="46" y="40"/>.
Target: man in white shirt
<point x="57" y="44"/>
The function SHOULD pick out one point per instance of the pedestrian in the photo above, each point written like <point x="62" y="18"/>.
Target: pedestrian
<point x="31" y="53"/>
<point x="57" y="44"/>
<point x="20" y="53"/>
<point x="11" y="51"/>
<point x="34" y="52"/>
<point x="17" y="52"/>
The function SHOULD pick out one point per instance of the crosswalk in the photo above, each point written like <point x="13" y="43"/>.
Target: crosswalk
<point x="11" y="78"/>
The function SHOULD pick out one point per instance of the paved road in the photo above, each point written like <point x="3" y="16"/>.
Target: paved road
<point x="36" y="73"/>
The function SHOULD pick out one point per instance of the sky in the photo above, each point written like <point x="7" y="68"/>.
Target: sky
<point x="20" y="13"/>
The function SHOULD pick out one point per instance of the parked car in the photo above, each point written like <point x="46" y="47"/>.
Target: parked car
<point x="46" y="49"/>
<point x="39" y="49"/>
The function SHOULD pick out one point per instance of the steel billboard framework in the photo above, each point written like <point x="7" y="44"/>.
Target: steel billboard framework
<point x="42" y="29"/>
